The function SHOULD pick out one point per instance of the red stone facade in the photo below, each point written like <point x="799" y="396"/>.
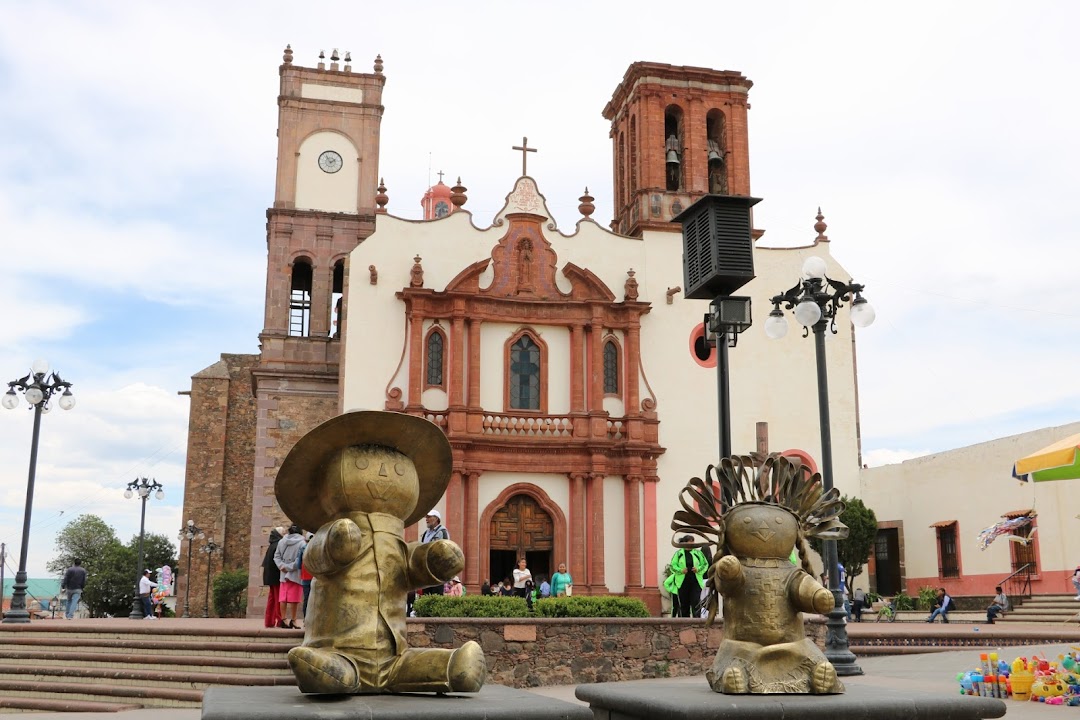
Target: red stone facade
<point x="698" y="104"/>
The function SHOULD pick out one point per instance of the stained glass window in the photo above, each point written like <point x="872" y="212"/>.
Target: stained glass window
<point x="435" y="359"/>
<point x="525" y="374"/>
<point x="611" y="368"/>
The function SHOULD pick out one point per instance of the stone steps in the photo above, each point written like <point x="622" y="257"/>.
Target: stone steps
<point x="70" y="668"/>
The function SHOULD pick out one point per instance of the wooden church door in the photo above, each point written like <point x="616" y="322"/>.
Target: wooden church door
<point x="521" y="529"/>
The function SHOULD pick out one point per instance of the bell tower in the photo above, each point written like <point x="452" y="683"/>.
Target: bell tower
<point x="329" y="121"/>
<point x="678" y="133"/>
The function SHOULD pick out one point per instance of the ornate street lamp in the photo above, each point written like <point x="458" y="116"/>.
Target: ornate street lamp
<point x="815" y="300"/>
<point x="143" y="487"/>
<point x="209" y="548"/>
<point x="190" y="532"/>
<point x="37" y="387"/>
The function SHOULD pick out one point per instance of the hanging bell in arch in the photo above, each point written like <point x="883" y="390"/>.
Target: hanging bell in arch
<point x="672" y="157"/>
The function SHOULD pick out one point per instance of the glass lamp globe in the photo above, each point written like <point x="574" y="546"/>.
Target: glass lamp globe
<point x="67" y="400"/>
<point x="775" y="326"/>
<point x="127" y="493"/>
<point x="34" y="395"/>
<point x="813" y="267"/>
<point x="11" y="400"/>
<point x="160" y="495"/>
<point x="40" y="366"/>
<point x="862" y="313"/>
<point x="807" y="313"/>
<point x="202" y="536"/>
<point x="144" y="492"/>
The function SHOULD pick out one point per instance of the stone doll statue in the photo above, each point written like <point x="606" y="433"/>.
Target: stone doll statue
<point x="767" y="507"/>
<point x="360" y="478"/>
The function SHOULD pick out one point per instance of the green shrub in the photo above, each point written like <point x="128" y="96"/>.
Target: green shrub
<point x="903" y="601"/>
<point x="927" y="597"/>
<point x="470" y="606"/>
<point x="597" y="606"/>
<point x="230" y="593"/>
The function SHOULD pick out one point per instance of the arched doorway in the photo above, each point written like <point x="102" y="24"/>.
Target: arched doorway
<point x="520" y="528"/>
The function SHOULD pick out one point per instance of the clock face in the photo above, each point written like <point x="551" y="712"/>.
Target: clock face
<point x="441" y="209"/>
<point x="330" y="162"/>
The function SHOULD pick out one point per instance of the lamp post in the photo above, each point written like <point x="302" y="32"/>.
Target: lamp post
<point x="727" y="317"/>
<point x="38" y="388"/>
<point x="816" y="299"/>
<point x="191" y="532"/>
<point x="209" y="548"/>
<point x="143" y="487"/>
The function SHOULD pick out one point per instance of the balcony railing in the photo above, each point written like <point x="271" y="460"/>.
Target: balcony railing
<point x="553" y="426"/>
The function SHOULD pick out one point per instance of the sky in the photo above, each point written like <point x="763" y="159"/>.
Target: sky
<point x="137" y="156"/>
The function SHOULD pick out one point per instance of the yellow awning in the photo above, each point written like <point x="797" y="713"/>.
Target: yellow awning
<point x="1057" y="455"/>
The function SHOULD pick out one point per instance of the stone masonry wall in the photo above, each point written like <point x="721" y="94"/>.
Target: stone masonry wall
<point x="565" y="651"/>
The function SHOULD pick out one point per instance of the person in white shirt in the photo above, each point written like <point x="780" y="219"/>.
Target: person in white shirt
<point x="522" y="575"/>
<point x="146" y="585"/>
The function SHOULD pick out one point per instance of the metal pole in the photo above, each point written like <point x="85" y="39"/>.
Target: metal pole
<point x="206" y="606"/>
<point x="187" y="579"/>
<point x="136" y="606"/>
<point x="18" y="612"/>
<point x="3" y="562"/>
<point x="836" y="639"/>
<point x="723" y="396"/>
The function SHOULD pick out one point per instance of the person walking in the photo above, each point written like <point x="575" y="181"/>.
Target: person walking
<point x="858" y="604"/>
<point x="435" y="531"/>
<point x="290" y="592"/>
<point x="687" y="577"/>
<point x="272" y="579"/>
<point x="561" y="582"/>
<point x="74" y="583"/>
<point x="146" y="586"/>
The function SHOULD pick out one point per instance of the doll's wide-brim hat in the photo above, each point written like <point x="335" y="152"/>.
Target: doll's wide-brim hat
<point x="420" y="440"/>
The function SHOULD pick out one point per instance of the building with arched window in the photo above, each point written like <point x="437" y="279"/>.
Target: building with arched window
<point x="572" y="378"/>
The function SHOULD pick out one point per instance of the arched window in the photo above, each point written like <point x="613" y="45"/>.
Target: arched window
<point x="300" y="299"/>
<point x="673" y="147"/>
<point x="524" y="392"/>
<point x="336" y="296"/>
<point x="716" y="145"/>
<point x="611" y="368"/>
<point x="435" y="359"/>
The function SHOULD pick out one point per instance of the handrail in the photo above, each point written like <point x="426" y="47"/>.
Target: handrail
<point x="1019" y="587"/>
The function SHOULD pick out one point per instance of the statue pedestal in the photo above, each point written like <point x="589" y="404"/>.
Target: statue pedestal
<point x="493" y="701"/>
<point x="681" y="700"/>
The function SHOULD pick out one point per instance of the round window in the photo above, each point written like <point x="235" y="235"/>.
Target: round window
<point x="702" y="353"/>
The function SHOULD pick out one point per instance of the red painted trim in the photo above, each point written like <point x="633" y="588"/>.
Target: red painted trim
<point x="804" y="457"/>
<point x="649" y="541"/>
<point x="542" y="499"/>
<point x="699" y="332"/>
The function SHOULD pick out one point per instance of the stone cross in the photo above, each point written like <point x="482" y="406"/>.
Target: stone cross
<point x="524" y="148"/>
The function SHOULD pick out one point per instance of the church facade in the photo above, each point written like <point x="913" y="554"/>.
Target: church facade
<point x="574" y="381"/>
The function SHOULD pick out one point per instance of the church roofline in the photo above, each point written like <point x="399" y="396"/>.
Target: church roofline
<point x="685" y="76"/>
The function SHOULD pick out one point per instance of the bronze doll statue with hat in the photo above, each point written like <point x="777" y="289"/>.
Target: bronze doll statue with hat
<point x="360" y="478"/>
<point x="766" y="508"/>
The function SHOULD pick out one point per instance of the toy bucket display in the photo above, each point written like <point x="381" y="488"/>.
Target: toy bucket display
<point x="1021" y="685"/>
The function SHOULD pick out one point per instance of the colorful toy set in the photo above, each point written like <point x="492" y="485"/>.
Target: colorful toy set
<point x="1036" y="679"/>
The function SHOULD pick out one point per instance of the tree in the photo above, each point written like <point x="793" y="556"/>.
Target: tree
<point x="158" y="550"/>
<point x="853" y="551"/>
<point x="86" y="537"/>
<point x="110" y="589"/>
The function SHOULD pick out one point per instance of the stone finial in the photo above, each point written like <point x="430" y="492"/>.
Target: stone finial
<point x="378" y="64"/>
<point x="381" y="199"/>
<point x="322" y="60"/>
<point x="631" y="286"/>
<point x="457" y="194"/>
<point x="819" y="227"/>
<point x="287" y="57"/>
<point x="586" y="207"/>
<point x="374" y="274"/>
<point x="416" y="275"/>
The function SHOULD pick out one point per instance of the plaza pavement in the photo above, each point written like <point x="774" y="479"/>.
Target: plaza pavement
<point x="932" y="672"/>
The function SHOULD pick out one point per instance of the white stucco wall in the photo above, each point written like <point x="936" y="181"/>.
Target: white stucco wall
<point x="614" y="534"/>
<point x="771" y="381"/>
<point x="974" y="486"/>
<point x="318" y="190"/>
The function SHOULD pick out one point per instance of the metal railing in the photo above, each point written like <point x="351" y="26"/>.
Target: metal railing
<point x="1018" y="585"/>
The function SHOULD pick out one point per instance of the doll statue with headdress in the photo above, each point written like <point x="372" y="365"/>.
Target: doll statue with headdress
<point x="767" y="507"/>
<point x="359" y="479"/>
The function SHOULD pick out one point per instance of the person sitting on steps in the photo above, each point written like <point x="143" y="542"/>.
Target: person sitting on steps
<point x="998" y="605"/>
<point x="942" y="606"/>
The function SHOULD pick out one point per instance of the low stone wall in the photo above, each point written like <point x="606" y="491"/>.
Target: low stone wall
<point x="570" y="651"/>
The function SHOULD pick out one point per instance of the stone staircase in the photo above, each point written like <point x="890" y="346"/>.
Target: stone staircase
<point x="63" y="667"/>
<point x="1045" y="609"/>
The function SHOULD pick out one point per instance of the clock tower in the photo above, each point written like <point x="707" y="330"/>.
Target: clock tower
<point x="324" y="206"/>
